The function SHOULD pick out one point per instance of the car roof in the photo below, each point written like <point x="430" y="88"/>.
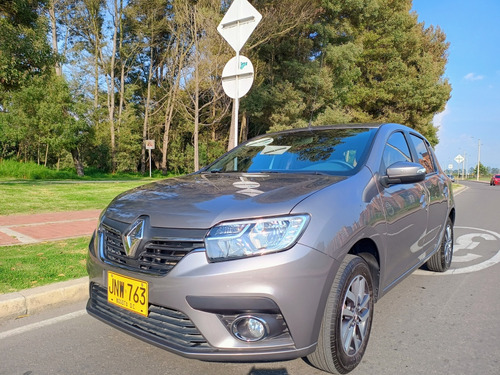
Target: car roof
<point x="346" y="126"/>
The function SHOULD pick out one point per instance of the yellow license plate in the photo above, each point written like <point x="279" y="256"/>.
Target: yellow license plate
<point x="128" y="293"/>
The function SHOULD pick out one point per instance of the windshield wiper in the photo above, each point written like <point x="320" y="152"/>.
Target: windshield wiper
<point x="319" y="173"/>
<point x="218" y="170"/>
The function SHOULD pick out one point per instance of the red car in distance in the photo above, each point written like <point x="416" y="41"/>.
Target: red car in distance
<point x="495" y="180"/>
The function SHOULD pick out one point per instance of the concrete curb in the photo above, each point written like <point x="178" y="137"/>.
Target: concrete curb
<point x="31" y="301"/>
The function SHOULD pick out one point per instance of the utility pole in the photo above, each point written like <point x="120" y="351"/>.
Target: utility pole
<point x="478" y="156"/>
<point x="463" y="167"/>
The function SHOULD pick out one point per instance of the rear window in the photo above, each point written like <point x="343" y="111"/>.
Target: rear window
<point x="333" y="151"/>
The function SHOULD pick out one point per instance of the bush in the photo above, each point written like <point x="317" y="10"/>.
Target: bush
<point x="32" y="171"/>
<point x="14" y="170"/>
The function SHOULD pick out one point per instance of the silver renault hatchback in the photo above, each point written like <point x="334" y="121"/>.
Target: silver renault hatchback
<point x="277" y="250"/>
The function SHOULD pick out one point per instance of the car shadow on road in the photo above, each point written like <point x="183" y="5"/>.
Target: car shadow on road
<point x="279" y="371"/>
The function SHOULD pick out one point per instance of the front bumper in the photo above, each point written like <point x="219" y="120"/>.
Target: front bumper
<point x="189" y="307"/>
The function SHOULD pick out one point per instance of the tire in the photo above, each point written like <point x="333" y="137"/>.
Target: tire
<point x="441" y="261"/>
<point x="347" y="320"/>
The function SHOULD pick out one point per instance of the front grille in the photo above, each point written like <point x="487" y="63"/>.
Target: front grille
<point x="161" y="256"/>
<point x="170" y="327"/>
<point x="113" y="245"/>
<point x="157" y="256"/>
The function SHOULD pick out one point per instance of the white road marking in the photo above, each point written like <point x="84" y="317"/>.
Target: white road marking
<point x="468" y="243"/>
<point x="44" y="323"/>
<point x="465" y="258"/>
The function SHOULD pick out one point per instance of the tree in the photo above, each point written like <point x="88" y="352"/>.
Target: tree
<point x="24" y="51"/>
<point x="401" y="63"/>
<point x="53" y="28"/>
<point x="174" y="60"/>
<point x="281" y="51"/>
<point x="149" y="31"/>
<point x="203" y="101"/>
<point x="41" y="118"/>
<point x="483" y="170"/>
<point x="352" y="61"/>
<point x="151" y="69"/>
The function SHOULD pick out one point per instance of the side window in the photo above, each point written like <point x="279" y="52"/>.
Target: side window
<point x="396" y="149"/>
<point x="424" y="155"/>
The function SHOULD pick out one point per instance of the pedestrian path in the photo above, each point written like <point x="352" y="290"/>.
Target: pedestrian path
<point x="25" y="229"/>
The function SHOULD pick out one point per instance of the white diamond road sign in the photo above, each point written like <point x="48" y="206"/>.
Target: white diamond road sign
<point x="237" y="77"/>
<point x="459" y="159"/>
<point x="238" y="23"/>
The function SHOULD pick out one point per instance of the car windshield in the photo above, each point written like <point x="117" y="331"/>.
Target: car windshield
<point x="339" y="151"/>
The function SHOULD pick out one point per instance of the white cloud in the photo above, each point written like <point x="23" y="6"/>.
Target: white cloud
<point x="473" y="77"/>
<point x="437" y="121"/>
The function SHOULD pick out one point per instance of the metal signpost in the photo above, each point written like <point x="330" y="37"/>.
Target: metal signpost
<point x="461" y="160"/>
<point x="236" y="27"/>
<point x="150" y="145"/>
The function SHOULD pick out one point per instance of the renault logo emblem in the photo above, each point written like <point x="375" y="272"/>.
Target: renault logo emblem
<point x="133" y="237"/>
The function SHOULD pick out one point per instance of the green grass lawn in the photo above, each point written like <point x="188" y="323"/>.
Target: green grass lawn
<point x="44" y="196"/>
<point x="28" y="266"/>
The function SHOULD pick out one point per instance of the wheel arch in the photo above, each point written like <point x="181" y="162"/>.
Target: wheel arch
<point x="368" y="251"/>
<point x="452" y="215"/>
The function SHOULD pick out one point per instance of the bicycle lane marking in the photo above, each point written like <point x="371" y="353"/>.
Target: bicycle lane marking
<point x="466" y="242"/>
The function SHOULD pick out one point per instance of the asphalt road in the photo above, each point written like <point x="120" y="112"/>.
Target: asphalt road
<point x="429" y="324"/>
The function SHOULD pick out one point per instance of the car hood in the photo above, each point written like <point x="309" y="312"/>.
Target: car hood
<point x="202" y="200"/>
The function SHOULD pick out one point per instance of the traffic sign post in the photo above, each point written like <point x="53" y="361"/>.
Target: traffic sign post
<point x="239" y="23"/>
<point x="150" y="145"/>
<point x="236" y="27"/>
<point x="461" y="160"/>
<point x="237" y="77"/>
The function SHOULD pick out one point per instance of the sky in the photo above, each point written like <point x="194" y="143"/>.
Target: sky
<point x="472" y="116"/>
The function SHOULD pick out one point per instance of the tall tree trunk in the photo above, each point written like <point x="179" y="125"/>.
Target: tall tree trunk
<point x="168" y="121"/>
<point x="170" y="108"/>
<point x="77" y="162"/>
<point x="196" y="94"/>
<point x="111" y="84"/>
<point x="145" y="125"/>
<point x="123" y="63"/>
<point x="96" y="78"/>
<point x="244" y="127"/>
<point x="97" y="41"/>
<point x="46" y="155"/>
<point x="53" y="26"/>
<point x="164" y="148"/>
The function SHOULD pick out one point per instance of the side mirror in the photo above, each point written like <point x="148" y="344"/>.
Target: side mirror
<point x="403" y="172"/>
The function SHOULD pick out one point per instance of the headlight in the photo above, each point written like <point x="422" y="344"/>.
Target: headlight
<point x="97" y="237"/>
<point x="253" y="237"/>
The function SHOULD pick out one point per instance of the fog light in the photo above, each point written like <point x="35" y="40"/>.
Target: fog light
<point x="249" y="328"/>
